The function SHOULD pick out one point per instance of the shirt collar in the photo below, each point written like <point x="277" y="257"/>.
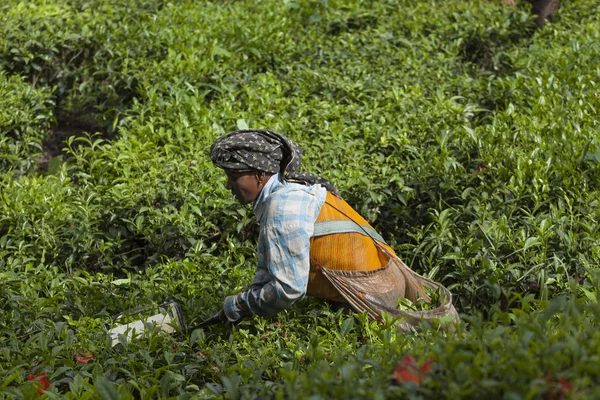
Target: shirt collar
<point x="271" y="186"/>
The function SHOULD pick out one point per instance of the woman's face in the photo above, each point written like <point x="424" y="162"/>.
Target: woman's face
<point x="245" y="186"/>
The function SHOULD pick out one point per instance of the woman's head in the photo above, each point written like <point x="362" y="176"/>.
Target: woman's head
<point x="258" y="149"/>
<point x="248" y="155"/>
<point x="246" y="185"/>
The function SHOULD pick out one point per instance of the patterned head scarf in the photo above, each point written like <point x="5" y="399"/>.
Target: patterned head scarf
<point x="266" y="151"/>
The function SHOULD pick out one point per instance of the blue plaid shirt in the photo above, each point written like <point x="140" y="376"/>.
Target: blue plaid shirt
<point x="287" y="213"/>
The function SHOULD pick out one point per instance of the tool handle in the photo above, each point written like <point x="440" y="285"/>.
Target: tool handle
<point x="215" y="319"/>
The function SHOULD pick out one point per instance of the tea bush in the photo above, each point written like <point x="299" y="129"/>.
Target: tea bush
<point x="25" y="116"/>
<point x="83" y="49"/>
<point x="467" y="137"/>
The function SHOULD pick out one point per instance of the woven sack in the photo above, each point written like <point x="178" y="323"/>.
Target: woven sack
<point x="378" y="291"/>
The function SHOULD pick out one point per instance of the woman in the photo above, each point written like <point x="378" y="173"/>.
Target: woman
<point x="310" y="241"/>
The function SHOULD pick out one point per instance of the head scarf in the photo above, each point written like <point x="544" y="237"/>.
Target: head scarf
<point x="266" y="151"/>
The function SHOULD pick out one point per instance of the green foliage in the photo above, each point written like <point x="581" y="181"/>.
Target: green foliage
<point x="465" y="136"/>
<point x="85" y="50"/>
<point x="25" y="116"/>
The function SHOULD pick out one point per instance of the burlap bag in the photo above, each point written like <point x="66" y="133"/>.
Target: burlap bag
<point x="378" y="291"/>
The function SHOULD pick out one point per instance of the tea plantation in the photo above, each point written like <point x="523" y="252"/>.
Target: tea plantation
<point x="468" y="137"/>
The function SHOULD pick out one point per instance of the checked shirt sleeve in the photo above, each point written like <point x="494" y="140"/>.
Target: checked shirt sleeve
<point x="283" y="257"/>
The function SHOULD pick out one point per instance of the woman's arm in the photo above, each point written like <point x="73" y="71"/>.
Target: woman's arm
<point x="283" y="257"/>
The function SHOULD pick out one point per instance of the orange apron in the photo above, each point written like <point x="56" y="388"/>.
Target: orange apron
<point x="341" y="242"/>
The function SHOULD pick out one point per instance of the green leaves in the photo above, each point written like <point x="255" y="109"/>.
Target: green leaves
<point x="469" y="140"/>
<point x="107" y="390"/>
<point x="25" y="117"/>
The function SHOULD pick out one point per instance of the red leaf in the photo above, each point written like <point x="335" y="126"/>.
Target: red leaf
<point x="408" y="370"/>
<point x="40" y="381"/>
<point x="565" y="386"/>
<point x="482" y="166"/>
<point x="83" y="358"/>
<point x="557" y="390"/>
<point x="409" y="361"/>
<point x="404" y="374"/>
<point x="426" y="367"/>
